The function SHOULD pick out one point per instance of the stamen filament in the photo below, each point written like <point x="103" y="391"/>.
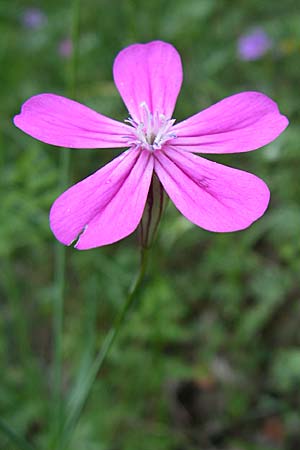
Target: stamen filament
<point x="152" y="132"/>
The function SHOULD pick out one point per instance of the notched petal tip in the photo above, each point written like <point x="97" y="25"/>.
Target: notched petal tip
<point x="285" y="121"/>
<point x="63" y="122"/>
<point x="105" y="207"/>
<point x="242" y="122"/>
<point x="75" y="242"/>
<point x="142" y="74"/>
<point x="215" y="197"/>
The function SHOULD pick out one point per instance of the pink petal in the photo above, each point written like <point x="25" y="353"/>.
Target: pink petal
<point x="239" y="123"/>
<point x="106" y="206"/>
<point x="215" y="197"/>
<point x="59" y="121"/>
<point x="150" y="73"/>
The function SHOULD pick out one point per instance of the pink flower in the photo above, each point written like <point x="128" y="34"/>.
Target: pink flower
<point x="108" y="205"/>
<point x="65" y="48"/>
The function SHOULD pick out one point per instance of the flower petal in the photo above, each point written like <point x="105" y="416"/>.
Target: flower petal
<point x="106" y="206"/>
<point x="239" y="123"/>
<point x="148" y="73"/>
<point x="213" y="196"/>
<point x="59" y="121"/>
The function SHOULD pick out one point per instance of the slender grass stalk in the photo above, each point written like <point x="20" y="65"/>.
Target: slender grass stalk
<point x="82" y="388"/>
<point x="20" y="326"/>
<point x="60" y="251"/>
<point x="73" y="67"/>
<point x="19" y="441"/>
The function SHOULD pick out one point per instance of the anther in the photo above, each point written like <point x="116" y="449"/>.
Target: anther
<point x="153" y="131"/>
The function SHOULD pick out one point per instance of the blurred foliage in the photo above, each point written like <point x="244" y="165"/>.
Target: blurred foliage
<point x="210" y="357"/>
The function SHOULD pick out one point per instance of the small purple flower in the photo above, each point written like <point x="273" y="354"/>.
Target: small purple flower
<point x="34" y="18"/>
<point x="65" y="48"/>
<point x="254" y="44"/>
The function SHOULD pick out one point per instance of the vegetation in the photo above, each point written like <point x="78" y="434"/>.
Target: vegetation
<point x="209" y="358"/>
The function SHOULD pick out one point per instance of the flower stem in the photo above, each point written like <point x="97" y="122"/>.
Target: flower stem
<point x="82" y="389"/>
<point x="60" y="251"/>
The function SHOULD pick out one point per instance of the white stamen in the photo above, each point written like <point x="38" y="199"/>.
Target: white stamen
<point x="152" y="132"/>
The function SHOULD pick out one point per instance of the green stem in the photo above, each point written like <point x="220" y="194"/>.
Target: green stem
<point x="20" y="319"/>
<point x="81" y="390"/>
<point x="75" y="33"/>
<point x="60" y="251"/>
<point x="59" y="280"/>
<point x="13" y="437"/>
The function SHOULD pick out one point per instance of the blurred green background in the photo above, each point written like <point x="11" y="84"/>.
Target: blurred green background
<point x="210" y="357"/>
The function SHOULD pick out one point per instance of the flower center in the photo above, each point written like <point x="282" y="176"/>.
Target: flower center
<point x="152" y="132"/>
